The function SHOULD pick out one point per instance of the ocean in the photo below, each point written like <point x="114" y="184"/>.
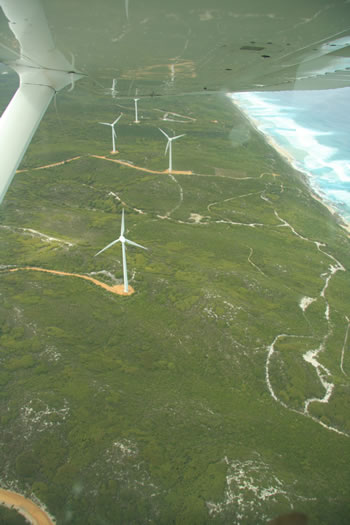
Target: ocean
<point x="313" y="127"/>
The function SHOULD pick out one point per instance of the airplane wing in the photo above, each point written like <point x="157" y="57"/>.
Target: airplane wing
<point x="164" y="48"/>
<point x="161" y="47"/>
<point x="42" y="70"/>
<point x="17" y="126"/>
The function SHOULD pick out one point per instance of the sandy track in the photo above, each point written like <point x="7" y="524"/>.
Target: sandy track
<point x="26" y="507"/>
<point x="103" y="157"/>
<point x="124" y="163"/>
<point x="60" y="163"/>
<point x="117" y="289"/>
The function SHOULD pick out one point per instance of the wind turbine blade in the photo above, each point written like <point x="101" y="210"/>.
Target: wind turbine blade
<point x="167" y="147"/>
<point x="179" y="136"/>
<point x="73" y="61"/>
<point x="135" y="244"/>
<point x="106" y="247"/>
<point x="116" y="120"/>
<point x="122" y="228"/>
<point x="164" y="133"/>
<point x="105" y="123"/>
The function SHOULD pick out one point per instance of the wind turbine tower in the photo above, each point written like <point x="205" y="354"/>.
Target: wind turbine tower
<point x="114" y="135"/>
<point x="169" y="147"/>
<point x="113" y="89"/>
<point x="136" y="114"/>
<point x="123" y="240"/>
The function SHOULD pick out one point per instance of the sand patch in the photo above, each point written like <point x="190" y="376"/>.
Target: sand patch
<point x="195" y="217"/>
<point x="305" y="302"/>
<point x="119" y="289"/>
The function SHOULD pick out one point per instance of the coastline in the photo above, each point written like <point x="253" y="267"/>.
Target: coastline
<point x="305" y="176"/>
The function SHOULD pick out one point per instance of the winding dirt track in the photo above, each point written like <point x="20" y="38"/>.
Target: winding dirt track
<point x="117" y="289"/>
<point x="26" y="507"/>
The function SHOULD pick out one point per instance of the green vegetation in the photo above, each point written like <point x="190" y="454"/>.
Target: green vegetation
<point x="11" y="517"/>
<point x="155" y="407"/>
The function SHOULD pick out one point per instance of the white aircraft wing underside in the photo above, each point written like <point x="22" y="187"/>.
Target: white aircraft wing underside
<point x="42" y="71"/>
<point x="17" y="126"/>
<point x="163" y="48"/>
<point x="170" y="48"/>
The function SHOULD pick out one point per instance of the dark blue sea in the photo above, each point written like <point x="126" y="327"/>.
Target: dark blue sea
<point x="314" y="128"/>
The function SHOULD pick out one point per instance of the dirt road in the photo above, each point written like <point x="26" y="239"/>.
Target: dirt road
<point x="117" y="289"/>
<point x="26" y="507"/>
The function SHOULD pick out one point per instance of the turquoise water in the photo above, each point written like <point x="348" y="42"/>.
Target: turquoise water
<point x="314" y="127"/>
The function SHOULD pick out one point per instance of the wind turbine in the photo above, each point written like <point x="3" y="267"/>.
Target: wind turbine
<point x="169" y="147"/>
<point x="114" y="135"/>
<point x="136" y="115"/>
<point x="123" y="240"/>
